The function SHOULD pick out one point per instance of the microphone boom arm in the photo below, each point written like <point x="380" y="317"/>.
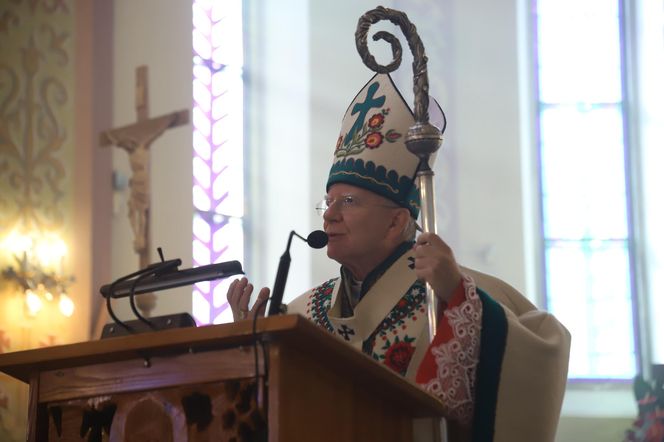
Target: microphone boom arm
<point x="316" y="239"/>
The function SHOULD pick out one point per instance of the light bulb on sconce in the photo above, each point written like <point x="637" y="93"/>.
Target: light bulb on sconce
<point x="39" y="271"/>
<point x="33" y="302"/>
<point x="66" y="305"/>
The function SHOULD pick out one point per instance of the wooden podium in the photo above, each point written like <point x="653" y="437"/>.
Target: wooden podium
<point x="200" y="384"/>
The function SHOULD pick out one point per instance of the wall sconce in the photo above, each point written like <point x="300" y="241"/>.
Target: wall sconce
<point x="39" y="271"/>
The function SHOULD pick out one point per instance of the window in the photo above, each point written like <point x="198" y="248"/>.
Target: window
<point x="218" y="190"/>
<point x="649" y="58"/>
<point x="586" y="227"/>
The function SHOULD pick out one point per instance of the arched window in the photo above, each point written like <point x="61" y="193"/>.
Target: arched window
<point x="600" y="119"/>
<point x="218" y="188"/>
<point x="584" y="142"/>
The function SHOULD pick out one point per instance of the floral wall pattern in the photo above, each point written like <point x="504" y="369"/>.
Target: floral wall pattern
<point x="36" y="167"/>
<point x="35" y="104"/>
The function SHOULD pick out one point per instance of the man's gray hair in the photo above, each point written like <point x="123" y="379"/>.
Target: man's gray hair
<point x="410" y="229"/>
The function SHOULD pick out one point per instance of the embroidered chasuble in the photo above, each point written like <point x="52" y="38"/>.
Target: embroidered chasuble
<point x="497" y="363"/>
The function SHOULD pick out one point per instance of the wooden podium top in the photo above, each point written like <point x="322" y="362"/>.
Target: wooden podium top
<point x="292" y="330"/>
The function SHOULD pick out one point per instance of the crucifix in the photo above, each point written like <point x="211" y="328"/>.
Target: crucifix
<point x="136" y="139"/>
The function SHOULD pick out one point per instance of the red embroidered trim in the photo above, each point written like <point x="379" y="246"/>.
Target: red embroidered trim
<point x="449" y="367"/>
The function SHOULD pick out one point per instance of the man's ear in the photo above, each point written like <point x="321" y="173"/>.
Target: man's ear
<point x="399" y="222"/>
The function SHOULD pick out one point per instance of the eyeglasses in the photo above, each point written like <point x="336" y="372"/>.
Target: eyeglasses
<point x="347" y="202"/>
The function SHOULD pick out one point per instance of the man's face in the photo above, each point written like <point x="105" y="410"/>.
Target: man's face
<point x="357" y="223"/>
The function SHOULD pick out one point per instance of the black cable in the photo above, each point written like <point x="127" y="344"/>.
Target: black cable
<point x="152" y="269"/>
<point x="256" y="341"/>
<point x="117" y="320"/>
<point x="109" y="307"/>
<point x="132" y="301"/>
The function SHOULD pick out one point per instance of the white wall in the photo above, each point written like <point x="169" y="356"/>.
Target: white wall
<point x="336" y="75"/>
<point x="155" y="33"/>
<point x="279" y="140"/>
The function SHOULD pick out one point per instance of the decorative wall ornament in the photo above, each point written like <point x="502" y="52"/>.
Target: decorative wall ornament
<point x="34" y="105"/>
<point x="36" y="168"/>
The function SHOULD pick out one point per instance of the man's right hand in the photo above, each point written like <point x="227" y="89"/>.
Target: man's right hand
<point x="239" y="294"/>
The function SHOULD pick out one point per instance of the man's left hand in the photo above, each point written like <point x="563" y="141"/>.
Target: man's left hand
<point x="435" y="264"/>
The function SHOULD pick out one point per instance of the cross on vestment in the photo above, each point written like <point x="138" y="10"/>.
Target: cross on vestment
<point x="136" y="139"/>
<point x="346" y="332"/>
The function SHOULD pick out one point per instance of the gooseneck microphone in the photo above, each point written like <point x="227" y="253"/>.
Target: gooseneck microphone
<point x="317" y="240"/>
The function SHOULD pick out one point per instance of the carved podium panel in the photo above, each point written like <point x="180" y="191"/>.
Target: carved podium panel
<point x="201" y="384"/>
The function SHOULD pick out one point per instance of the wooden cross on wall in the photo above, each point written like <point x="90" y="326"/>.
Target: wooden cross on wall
<point x="136" y="139"/>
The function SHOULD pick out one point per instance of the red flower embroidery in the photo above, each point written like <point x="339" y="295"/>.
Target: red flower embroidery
<point x="397" y="357"/>
<point x="373" y="140"/>
<point x="376" y="120"/>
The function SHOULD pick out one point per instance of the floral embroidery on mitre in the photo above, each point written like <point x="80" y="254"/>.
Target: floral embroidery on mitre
<point x="371" y="136"/>
<point x="456" y="360"/>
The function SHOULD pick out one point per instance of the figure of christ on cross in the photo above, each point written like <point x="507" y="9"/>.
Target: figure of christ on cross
<point x="136" y="139"/>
